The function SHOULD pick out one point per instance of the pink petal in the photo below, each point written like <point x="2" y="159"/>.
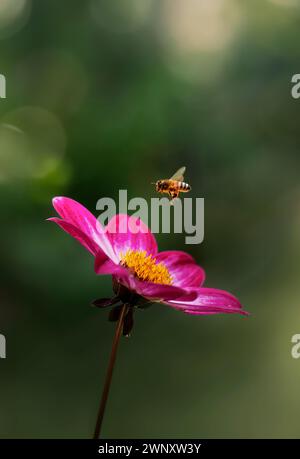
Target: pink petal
<point x="161" y="292"/>
<point x="182" y="267"/>
<point x="104" y="265"/>
<point x="209" y="301"/>
<point x="77" y="234"/>
<point x="74" y="213"/>
<point x="125" y="232"/>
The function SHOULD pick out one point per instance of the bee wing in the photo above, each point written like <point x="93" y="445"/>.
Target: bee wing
<point x="179" y="174"/>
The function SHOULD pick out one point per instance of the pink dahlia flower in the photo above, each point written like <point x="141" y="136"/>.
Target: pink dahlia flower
<point x="127" y="250"/>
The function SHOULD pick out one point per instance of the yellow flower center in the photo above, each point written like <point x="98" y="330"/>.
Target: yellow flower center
<point x="145" y="267"/>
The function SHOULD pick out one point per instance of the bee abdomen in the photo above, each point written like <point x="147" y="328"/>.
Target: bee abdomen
<point x="185" y="186"/>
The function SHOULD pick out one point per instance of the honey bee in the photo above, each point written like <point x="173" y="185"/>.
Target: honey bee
<point x="174" y="185"/>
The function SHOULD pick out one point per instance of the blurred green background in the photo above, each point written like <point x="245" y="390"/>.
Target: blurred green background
<point x="103" y="95"/>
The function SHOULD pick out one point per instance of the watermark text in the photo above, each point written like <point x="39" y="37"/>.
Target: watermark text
<point x="2" y="347"/>
<point x="184" y="216"/>
<point x="2" y="87"/>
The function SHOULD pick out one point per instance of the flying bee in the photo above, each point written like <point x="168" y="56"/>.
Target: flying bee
<point x="174" y="185"/>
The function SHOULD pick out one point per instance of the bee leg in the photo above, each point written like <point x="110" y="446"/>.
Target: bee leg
<point x="174" y="195"/>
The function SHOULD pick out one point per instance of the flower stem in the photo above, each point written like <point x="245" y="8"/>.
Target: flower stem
<point x="109" y="371"/>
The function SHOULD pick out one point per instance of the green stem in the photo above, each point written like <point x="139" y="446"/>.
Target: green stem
<point x="109" y="372"/>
